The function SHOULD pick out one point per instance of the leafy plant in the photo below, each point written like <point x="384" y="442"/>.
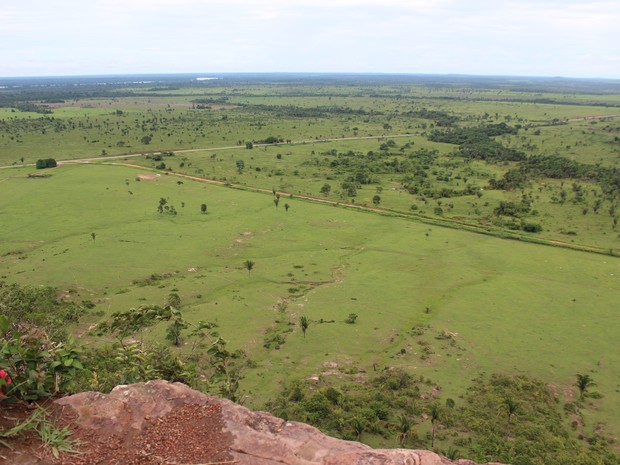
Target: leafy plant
<point x="53" y="437"/>
<point x="38" y="366"/>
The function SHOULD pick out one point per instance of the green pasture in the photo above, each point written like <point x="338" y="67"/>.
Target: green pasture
<point x="303" y="169"/>
<point x="509" y="306"/>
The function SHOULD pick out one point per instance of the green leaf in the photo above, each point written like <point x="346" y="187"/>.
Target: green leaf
<point x="68" y="362"/>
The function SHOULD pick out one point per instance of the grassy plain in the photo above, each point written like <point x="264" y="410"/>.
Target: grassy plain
<point x="582" y="127"/>
<point x="514" y="307"/>
<point x="508" y="306"/>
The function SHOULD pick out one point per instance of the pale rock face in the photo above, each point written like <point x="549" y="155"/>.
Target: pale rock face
<point x="256" y="438"/>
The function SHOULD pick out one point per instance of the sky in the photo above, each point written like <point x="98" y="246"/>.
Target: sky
<point x="569" y="38"/>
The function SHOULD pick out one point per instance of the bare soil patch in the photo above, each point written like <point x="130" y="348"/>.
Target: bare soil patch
<point x="148" y="176"/>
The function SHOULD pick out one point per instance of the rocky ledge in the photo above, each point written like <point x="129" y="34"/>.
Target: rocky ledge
<point x="160" y="422"/>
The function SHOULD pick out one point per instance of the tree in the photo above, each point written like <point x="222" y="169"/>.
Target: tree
<point x="358" y="426"/>
<point x="203" y="208"/>
<point x="162" y="203"/>
<point x="511" y="407"/>
<point x="46" y="163"/>
<point x="304" y="323"/>
<point x="584" y="382"/>
<point x="173" y="332"/>
<point x="326" y="189"/>
<point x="249" y="264"/>
<point x="286" y="207"/>
<point x="376" y="200"/>
<point x="434" y="415"/>
<point x="404" y="427"/>
<point x="146" y="140"/>
<point x="249" y="145"/>
<point x="276" y="201"/>
<point x="93" y="235"/>
<point x="240" y="166"/>
<point x="173" y="300"/>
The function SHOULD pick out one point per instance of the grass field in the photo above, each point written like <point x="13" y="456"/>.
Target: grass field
<point x="577" y="126"/>
<point x="443" y="303"/>
<point x="513" y="307"/>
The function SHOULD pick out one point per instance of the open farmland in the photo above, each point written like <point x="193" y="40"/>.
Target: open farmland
<point x="443" y="303"/>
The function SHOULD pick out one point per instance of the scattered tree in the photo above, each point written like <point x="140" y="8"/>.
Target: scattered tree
<point x="203" y="208"/>
<point x="358" y="426"/>
<point x="404" y="428"/>
<point x="93" y="235"/>
<point x="240" y="166"/>
<point x="511" y="407"/>
<point x="584" y="382"/>
<point x="173" y="300"/>
<point x="249" y="264"/>
<point x="304" y="323"/>
<point x="162" y="203"/>
<point x="434" y="416"/>
<point x="286" y="207"/>
<point x="376" y="199"/>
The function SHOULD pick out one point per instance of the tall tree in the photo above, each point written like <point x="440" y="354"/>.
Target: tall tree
<point x="511" y="407"/>
<point x="249" y="264"/>
<point x="584" y="382"/>
<point x="358" y="426"/>
<point x="434" y="415"/>
<point x="404" y="427"/>
<point x="304" y="323"/>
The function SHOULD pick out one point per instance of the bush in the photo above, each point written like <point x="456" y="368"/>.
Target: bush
<point x="532" y="227"/>
<point x="37" y="366"/>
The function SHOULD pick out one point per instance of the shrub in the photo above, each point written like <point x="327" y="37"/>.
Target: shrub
<point x="532" y="227"/>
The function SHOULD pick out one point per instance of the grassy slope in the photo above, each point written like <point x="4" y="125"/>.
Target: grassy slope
<point x="515" y="307"/>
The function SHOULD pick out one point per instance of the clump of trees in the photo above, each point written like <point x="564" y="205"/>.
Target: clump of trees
<point x="46" y="163"/>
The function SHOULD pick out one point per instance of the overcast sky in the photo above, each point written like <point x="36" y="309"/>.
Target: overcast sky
<point x="571" y="38"/>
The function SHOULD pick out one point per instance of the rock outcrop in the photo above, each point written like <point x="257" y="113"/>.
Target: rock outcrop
<point x="137" y="418"/>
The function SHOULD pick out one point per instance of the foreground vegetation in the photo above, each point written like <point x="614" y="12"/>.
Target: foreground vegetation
<point x="387" y="328"/>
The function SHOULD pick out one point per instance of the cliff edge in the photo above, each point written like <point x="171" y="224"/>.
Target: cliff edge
<point x="169" y="423"/>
